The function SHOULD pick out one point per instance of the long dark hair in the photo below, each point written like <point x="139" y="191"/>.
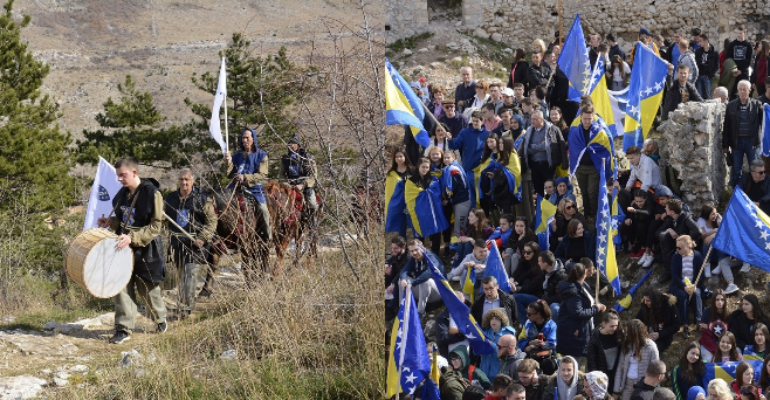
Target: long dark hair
<point x="504" y="156"/>
<point x="763" y="328"/>
<point x="692" y="373"/>
<point x="422" y="181"/>
<point x="705" y="213"/>
<point x="759" y="316"/>
<point x="636" y="337"/>
<point x="476" y="231"/>
<point x="715" y="314"/>
<point x="764" y="377"/>
<point x="487" y="151"/>
<point x="578" y="271"/>
<point x="535" y="254"/>
<point x="394" y="166"/>
<point x="519" y="55"/>
<point x="561" y="124"/>
<point x="657" y="304"/>
<point x="734" y="354"/>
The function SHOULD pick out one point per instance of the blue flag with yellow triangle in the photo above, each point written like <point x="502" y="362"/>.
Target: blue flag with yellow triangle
<point x="545" y="212"/>
<point x="410" y="354"/>
<point x="424" y="206"/>
<point x="494" y="267"/>
<point x="618" y="218"/>
<point x="461" y="314"/>
<point x="605" y="248"/>
<point x="395" y="203"/>
<point x="574" y="61"/>
<point x="601" y="97"/>
<point x="726" y="371"/>
<point x="402" y="106"/>
<point x="599" y="147"/>
<point x="645" y="92"/>
<point x="745" y="231"/>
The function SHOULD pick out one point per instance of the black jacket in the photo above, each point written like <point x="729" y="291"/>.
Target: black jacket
<point x="742" y="327"/>
<point x="443" y="337"/>
<point x="746" y="186"/>
<point x="673" y="97"/>
<point x="575" y="315"/>
<point x="666" y="324"/>
<point x="507" y="302"/>
<point x="732" y="119"/>
<point x="464" y="93"/>
<point x="616" y="51"/>
<point x="538" y="75"/>
<point x="642" y="391"/>
<point x="519" y="75"/>
<point x="708" y="62"/>
<point x="597" y="361"/>
<point x="684" y="224"/>
<point x="551" y="293"/>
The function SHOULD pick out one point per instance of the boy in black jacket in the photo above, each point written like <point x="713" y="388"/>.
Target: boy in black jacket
<point x="708" y="66"/>
<point x="635" y="228"/>
<point x="742" y="53"/>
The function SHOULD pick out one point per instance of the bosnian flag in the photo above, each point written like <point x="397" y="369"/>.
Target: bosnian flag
<point x="219" y="98"/>
<point x="105" y="188"/>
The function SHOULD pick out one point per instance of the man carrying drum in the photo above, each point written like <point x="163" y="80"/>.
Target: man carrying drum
<point x="138" y="208"/>
<point x="194" y="213"/>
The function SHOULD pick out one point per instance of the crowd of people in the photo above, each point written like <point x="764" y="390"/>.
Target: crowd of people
<point x="554" y="336"/>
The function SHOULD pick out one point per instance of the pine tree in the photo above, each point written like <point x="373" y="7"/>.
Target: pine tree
<point x="34" y="161"/>
<point x="132" y="127"/>
<point x="259" y="90"/>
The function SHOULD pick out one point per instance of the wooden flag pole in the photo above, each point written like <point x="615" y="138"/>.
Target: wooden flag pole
<point x="702" y="267"/>
<point x="598" y="273"/>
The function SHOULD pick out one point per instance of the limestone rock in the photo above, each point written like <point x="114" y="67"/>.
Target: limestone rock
<point x="130" y="358"/>
<point x="497" y="37"/>
<point x="423" y="50"/>
<point x="407" y="52"/>
<point x="59" y="382"/>
<point x="21" y="387"/>
<point x="481" y="33"/>
<point x="452" y="46"/>
<point x="64" y="328"/>
<point x="230" y="354"/>
<point x="79" y="368"/>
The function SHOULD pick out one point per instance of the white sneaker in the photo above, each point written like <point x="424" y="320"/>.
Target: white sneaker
<point x="642" y="259"/>
<point x="707" y="270"/>
<point x="717" y="270"/>
<point x="731" y="288"/>
<point x="648" y="262"/>
<point x="745" y="268"/>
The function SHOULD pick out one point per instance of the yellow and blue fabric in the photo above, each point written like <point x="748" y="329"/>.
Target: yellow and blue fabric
<point x="601" y="97"/>
<point x="545" y="212"/>
<point x="726" y="371"/>
<point x="430" y="390"/>
<point x="574" y="62"/>
<point x="436" y="171"/>
<point x="468" y="284"/>
<point x="512" y="172"/>
<point x="750" y="354"/>
<point x="402" y="106"/>
<point x="744" y="232"/>
<point x="478" y="194"/>
<point x="461" y="314"/>
<point x="447" y="183"/>
<point x="605" y="248"/>
<point x="410" y="354"/>
<point x="495" y="268"/>
<point x="424" y="206"/>
<point x="395" y="203"/>
<point x="626" y="301"/>
<point x="600" y="146"/>
<point x="766" y="131"/>
<point x="648" y="78"/>
<point x="618" y="217"/>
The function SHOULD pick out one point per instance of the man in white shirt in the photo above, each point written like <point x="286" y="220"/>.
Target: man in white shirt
<point x="645" y="173"/>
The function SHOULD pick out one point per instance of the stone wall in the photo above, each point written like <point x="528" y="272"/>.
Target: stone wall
<point x="691" y="142"/>
<point x="404" y="18"/>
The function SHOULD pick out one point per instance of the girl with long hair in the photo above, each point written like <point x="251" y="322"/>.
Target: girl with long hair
<point x="685" y="267"/>
<point x="727" y="350"/>
<point x="761" y="67"/>
<point x="658" y="311"/>
<point x="742" y="320"/>
<point x="713" y="324"/>
<point x="431" y="223"/>
<point x="455" y="189"/>
<point x="395" y="209"/>
<point x="618" y="73"/>
<point x="576" y="314"/>
<point x="528" y="269"/>
<point x="566" y="211"/>
<point x="604" y="347"/>
<point x="744" y="378"/>
<point x="758" y="347"/>
<point x="689" y="372"/>
<point x="522" y="234"/>
<point x="519" y="68"/>
<point x="637" y="352"/>
<point x="579" y="242"/>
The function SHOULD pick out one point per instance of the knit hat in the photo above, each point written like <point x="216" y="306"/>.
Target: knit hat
<point x="597" y="380"/>
<point x="563" y="180"/>
<point x="295" y="139"/>
<point x="645" y="31"/>
<point x="694" y="391"/>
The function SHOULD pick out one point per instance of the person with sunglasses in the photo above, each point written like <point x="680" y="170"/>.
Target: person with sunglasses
<point x="757" y="186"/>
<point x="685" y="267"/>
<point x="566" y="211"/>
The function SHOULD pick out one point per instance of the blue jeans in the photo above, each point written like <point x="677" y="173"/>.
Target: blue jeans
<point x="463" y="249"/>
<point x="744" y="147"/>
<point x="703" y="84"/>
<point x="685" y="302"/>
<point x="523" y="300"/>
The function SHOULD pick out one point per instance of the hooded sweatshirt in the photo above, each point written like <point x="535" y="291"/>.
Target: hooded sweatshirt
<point x="568" y="390"/>
<point x="478" y="375"/>
<point x="253" y="165"/>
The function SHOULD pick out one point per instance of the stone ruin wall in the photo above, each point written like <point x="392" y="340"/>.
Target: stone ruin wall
<point x="518" y="22"/>
<point x="691" y="142"/>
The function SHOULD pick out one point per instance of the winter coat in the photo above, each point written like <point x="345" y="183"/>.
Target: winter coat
<point x="674" y="98"/>
<point x="470" y="142"/>
<point x="688" y="59"/>
<point x="576" y="314"/>
<point x="747" y="181"/>
<point x="684" y="224"/>
<point x="550" y="292"/>
<point x="642" y="391"/>
<point x="490" y="364"/>
<point x="649" y="353"/>
<point x="556" y="152"/>
<point x="597" y="361"/>
<point x="518" y="74"/>
<point x="253" y="165"/>
<point x="538" y="75"/>
<point x="518" y="244"/>
<point x="561" y="227"/>
<point x="742" y="327"/>
<point x="530" y="332"/>
<point x="507" y="302"/>
<point x="417" y="272"/>
<point x="589" y="242"/>
<point x="732" y="121"/>
<point x="478" y="375"/>
<point x="554" y="198"/>
<point x="709" y="68"/>
<point x="511" y="363"/>
<point x="667" y="326"/>
<point x="677" y="281"/>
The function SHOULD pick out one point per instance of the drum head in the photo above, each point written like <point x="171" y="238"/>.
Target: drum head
<point x="107" y="271"/>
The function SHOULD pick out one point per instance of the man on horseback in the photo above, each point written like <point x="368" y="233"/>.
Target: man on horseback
<point x="193" y="211"/>
<point x="298" y="168"/>
<point x="248" y="167"/>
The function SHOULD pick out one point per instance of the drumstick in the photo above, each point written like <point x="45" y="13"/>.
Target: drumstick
<point x="179" y="227"/>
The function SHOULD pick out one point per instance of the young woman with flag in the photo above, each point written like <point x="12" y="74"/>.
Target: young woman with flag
<point x="727" y="350"/>
<point x="395" y="208"/>
<point x="758" y="347"/>
<point x="713" y="324"/>
<point x="455" y="188"/>
<point x="423" y="201"/>
<point x="686" y="264"/>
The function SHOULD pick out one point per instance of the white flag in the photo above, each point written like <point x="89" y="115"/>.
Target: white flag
<point x="219" y="98"/>
<point x="105" y="188"/>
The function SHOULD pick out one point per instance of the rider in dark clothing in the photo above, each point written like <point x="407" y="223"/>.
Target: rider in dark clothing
<point x="298" y="168"/>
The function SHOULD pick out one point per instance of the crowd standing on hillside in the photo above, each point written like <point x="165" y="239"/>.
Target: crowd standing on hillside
<point x="551" y="327"/>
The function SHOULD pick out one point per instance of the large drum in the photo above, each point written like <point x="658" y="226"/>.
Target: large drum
<point x="94" y="262"/>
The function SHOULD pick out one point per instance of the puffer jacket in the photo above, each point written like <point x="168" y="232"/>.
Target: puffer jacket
<point x="575" y="319"/>
<point x="667" y="326"/>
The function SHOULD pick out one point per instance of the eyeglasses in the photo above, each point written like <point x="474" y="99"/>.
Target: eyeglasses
<point x="528" y="251"/>
<point x="529" y="314"/>
<point x="759" y="172"/>
<point x="449" y="106"/>
<point x="569" y="207"/>
<point x="680" y="248"/>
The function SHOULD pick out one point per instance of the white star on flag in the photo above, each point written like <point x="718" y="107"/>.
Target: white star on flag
<point x="602" y="238"/>
<point x="411" y="378"/>
<point x="601" y="250"/>
<point x="764" y="234"/>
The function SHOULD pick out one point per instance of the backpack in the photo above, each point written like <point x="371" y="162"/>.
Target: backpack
<point x="452" y="385"/>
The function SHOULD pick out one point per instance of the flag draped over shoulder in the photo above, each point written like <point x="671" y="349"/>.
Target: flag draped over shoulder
<point x="745" y="231"/>
<point x="104" y="189"/>
<point x="726" y="371"/>
<point x="574" y="61"/>
<point x="394" y="202"/>
<point x="447" y="185"/>
<point x="430" y="390"/>
<point x="495" y="268"/>
<point x="600" y="146"/>
<point x="605" y="248"/>
<point x="645" y="92"/>
<point x="402" y="106"/>
<point x="219" y="98"/>
<point x="601" y="97"/>
<point x="512" y="172"/>
<point x="424" y="206"/>
<point x="410" y="355"/>
<point x="618" y="217"/>
<point x="461" y="314"/>
<point x="766" y="131"/>
<point x="626" y="301"/>
<point x="545" y="212"/>
<point x="484" y="167"/>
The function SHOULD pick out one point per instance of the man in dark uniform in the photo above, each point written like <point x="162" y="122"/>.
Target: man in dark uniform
<point x="194" y="212"/>
<point x="298" y="168"/>
<point x="138" y="219"/>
